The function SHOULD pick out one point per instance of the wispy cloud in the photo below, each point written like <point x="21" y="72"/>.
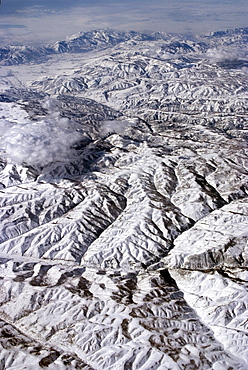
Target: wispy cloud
<point x="12" y="26"/>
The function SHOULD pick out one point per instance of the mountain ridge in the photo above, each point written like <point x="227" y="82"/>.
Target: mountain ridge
<point x="123" y="206"/>
<point x="100" y="39"/>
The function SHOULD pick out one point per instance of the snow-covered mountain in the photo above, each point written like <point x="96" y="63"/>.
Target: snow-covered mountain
<point x="124" y="218"/>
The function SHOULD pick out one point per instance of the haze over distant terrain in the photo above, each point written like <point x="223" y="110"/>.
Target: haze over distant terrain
<point x="123" y="185"/>
<point x="36" y="21"/>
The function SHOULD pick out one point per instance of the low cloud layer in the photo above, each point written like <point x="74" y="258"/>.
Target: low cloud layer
<point x="39" y="143"/>
<point x="218" y="55"/>
<point x="49" y="21"/>
<point x="115" y="126"/>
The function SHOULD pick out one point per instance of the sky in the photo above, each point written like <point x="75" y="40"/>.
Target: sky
<point x="35" y="22"/>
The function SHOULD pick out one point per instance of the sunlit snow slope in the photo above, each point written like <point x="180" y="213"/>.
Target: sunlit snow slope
<point x="124" y="203"/>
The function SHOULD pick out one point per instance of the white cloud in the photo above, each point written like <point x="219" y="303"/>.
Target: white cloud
<point x="39" y="142"/>
<point x="221" y="54"/>
<point x="115" y="126"/>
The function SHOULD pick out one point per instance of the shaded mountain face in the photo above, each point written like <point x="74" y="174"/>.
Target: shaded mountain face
<point x="123" y="203"/>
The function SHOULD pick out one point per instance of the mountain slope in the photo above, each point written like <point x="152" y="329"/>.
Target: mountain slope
<point x="123" y="205"/>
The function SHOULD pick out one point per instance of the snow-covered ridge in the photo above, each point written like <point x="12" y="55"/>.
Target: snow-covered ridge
<point x="103" y="39"/>
<point x="127" y="247"/>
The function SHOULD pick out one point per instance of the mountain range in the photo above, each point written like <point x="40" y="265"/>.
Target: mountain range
<point x="124" y="223"/>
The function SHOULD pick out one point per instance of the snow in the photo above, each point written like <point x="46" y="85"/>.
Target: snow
<point x="123" y="216"/>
